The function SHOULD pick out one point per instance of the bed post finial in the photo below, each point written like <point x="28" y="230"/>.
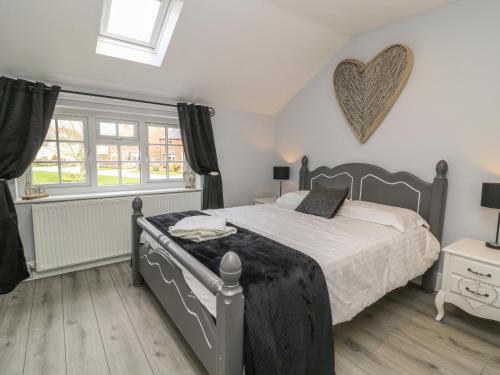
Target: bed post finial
<point x="441" y="169"/>
<point x="230" y="269"/>
<point x="137" y="206"/>
<point x="230" y="312"/>
<point x="304" y="172"/>
<point x="137" y="279"/>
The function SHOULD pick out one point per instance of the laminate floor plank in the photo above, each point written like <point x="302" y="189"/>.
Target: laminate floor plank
<point x="165" y="349"/>
<point x="427" y="357"/>
<point x="15" y="315"/>
<point x="391" y="346"/>
<point x="437" y="333"/>
<point x="83" y="339"/>
<point x="124" y="352"/>
<point x="344" y="366"/>
<point x="362" y="355"/>
<point x="45" y="353"/>
<point x="483" y="329"/>
<point x="95" y="322"/>
<point x="490" y="371"/>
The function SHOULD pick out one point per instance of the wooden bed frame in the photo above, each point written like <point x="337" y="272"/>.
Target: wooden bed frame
<point x="219" y="343"/>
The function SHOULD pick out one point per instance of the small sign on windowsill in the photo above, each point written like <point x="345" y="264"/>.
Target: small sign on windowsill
<point x="34" y="196"/>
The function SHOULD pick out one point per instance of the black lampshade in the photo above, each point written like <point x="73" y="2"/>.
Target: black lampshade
<point x="281" y="173"/>
<point x="490" y="196"/>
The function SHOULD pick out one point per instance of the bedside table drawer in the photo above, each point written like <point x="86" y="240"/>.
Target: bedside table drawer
<point x="470" y="269"/>
<point x="485" y="294"/>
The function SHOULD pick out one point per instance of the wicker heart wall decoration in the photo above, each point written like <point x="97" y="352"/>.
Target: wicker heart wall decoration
<point x="367" y="92"/>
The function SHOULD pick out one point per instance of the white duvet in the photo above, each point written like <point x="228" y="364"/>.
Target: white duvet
<point x="361" y="261"/>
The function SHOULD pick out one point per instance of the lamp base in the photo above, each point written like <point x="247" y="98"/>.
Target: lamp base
<point x="493" y="245"/>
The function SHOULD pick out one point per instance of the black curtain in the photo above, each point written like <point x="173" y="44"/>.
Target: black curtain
<point x="199" y="148"/>
<point x="25" y="112"/>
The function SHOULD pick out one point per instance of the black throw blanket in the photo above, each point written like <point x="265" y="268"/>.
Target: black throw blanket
<point x="288" y="322"/>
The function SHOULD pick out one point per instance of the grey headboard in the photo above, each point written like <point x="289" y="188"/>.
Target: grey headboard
<point x="371" y="183"/>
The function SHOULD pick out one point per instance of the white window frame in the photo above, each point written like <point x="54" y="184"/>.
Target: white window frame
<point x="155" y="35"/>
<point x="151" y="53"/>
<point x="116" y="137"/>
<point x="119" y="161"/>
<point x="93" y="109"/>
<point x="86" y="152"/>
<point x="165" y="125"/>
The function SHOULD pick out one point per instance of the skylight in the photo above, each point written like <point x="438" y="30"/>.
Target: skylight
<point x="137" y="30"/>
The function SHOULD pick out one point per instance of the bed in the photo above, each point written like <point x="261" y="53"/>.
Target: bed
<point x="359" y="270"/>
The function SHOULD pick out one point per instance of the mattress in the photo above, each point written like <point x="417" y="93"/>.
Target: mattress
<point x="361" y="261"/>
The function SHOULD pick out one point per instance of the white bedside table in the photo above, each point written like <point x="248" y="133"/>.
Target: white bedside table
<point x="264" y="200"/>
<point x="471" y="279"/>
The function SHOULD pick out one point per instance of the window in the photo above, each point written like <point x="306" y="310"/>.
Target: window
<point x="165" y="151"/>
<point x="136" y="21"/>
<point x="137" y="30"/>
<point x="61" y="159"/>
<point x="109" y="147"/>
<point x="118" y="129"/>
<point x="118" y="153"/>
<point x="118" y="165"/>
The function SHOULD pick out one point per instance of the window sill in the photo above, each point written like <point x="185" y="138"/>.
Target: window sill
<point x="78" y="197"/>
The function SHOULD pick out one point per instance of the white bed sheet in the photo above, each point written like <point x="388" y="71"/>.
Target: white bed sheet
<point x="361" y="261"/>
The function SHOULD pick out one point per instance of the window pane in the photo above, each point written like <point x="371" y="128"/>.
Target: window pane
<point x="174" y="136"/>
<point x="175" y="153"/>
<point x="133" y="18"/>
<point x="131" y="174"/>
<point x="175" y="170"/>
<point x="44" y="173"/>
<point x="107" y="153"/>
<point x="156" y="134"/>
<point x="73" y="173"/>
<point x="51" y="134"/>
<point x="130" y="153"/>
<point x="157" y="153"/>
<point x="71" y="151"/>
<point x="107" y="128"/>
<point x="126" y="130"/>
<point x="107" y="174"/>
<point x="70" y="130"/>
<point x="157" y="171"/>
<point x="48" y="152"/>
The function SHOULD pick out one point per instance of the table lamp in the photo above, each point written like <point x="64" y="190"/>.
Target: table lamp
<point x="490" y="198"/>
<point x="281" y="173"/>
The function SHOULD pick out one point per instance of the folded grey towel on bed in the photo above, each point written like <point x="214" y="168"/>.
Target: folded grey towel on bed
<point x="288" y="322"/>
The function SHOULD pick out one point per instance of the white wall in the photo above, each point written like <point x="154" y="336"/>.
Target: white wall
<point x="450" y="109"/>
<point x="245" y="149"/>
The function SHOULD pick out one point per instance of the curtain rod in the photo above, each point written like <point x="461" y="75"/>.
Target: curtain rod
<point x="211" y="110"/>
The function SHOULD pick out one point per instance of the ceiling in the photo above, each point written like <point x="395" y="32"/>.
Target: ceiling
<point x="250" y="55"/>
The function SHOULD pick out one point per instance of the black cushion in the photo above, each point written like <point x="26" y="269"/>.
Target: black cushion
<point x="322" y="201"/>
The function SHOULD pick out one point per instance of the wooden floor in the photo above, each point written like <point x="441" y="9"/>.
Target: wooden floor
<point x="95" y="322"/>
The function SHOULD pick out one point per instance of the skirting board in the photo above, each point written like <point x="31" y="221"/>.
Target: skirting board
<point x="78" y="267"/>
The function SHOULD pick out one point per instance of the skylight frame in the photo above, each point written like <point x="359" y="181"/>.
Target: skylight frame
<point x="155" y="35"/>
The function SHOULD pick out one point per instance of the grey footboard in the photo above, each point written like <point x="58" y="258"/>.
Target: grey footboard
<point x="218" y="344"/>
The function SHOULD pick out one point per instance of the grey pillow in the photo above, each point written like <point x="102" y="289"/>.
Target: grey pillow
<point x="322" y="201"/>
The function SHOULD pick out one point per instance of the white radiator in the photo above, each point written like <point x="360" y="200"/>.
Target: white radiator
<point x="76" y="232"/>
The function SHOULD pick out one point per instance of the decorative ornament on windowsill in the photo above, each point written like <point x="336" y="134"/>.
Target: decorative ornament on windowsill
<point x="33" y="191"/>
<point x="490" y="197"/>
<point x="189" y="179"/>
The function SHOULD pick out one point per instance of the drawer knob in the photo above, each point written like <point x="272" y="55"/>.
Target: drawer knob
<point x="478" y="273"/>
<point x="486" y="295"/>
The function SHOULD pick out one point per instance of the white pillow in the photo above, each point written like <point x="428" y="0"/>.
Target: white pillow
<point x="396" y="217"/>
<point x="293" y="198"/>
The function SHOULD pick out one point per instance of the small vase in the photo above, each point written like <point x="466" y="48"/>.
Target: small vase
<point x="189" y="179"/>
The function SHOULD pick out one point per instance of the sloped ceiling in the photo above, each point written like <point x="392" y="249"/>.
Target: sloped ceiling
<point x="250" y="55"/>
